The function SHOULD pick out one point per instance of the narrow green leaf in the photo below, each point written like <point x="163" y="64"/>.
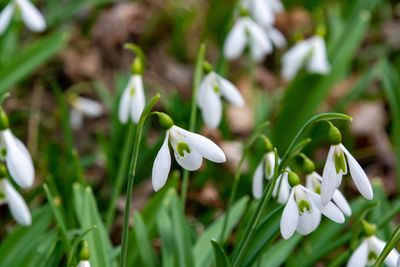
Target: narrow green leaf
<point x="143" y="242"/>
<point x="220" y="258"/>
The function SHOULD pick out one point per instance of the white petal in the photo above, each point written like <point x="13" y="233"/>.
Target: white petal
<point x="88" y="107"/>
<point x="398" y="262"/>
<point x="18" y="207"/>
<point x="236" y="41"/>
<point x="270" y="162"/>
<point x="308" y="222"/>
<point x="211" y="108"/>
<point x="230" y="92"/>
<point x="206" y="83"/>
<point x="290" y="217"/>
<point x="341" y="202"/>
<point x="276" y="5"/>
<point x="18" y="160"/>
<point x="318" y="62"/>
<point x="191" y="161"/>
<point x="75" y="119"/>
<point x="257" y="186"/>
<point x="294" y="58"/>
<point x="262" y="13"/>
<point x="124" y="105"/>
<point x="282" y="184"/>
<point x="378" y="246"/>
<point x="32" y="17"/>
<point x="161" y="166"/>
<point x="330" y="178"/>
<point x="207" y="148"/>
<point x="360" y="179"/>
<point x="260" y="44"/>
<point x="138" y="101"/>
<point x="84" y="264"/>
<point x="276" y="37"/>
<point x="329" y="210"/>
<point x="6" y="16"/>
<point x="359" y="257"/>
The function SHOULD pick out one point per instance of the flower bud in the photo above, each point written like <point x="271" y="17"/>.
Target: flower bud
<point x="207" y="68"/>
<point x="293" y="179"/>
<point x="307" y="164"/>
<point x="3" y="120"/>
<point x="164" y="120"/>
<point x="84" y="253"/>
<point x="334" y="135"/>
<point x="368" y="228"/>
<point x="267" y="144"/>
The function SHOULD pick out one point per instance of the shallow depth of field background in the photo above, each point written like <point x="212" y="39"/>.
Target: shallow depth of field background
<point x="82" y="52"/>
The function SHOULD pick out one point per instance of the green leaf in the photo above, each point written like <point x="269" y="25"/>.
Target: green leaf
<point x="221" y="260"/>
<point x="143" y="242"/>
<point x="202" y="249"/>
<point x="20" y="65"/>
<point x="166" y="230"/>
<point x="278" y="253"/>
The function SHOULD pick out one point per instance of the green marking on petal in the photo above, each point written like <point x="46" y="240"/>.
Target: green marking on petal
<point x="2" y="196"/>
<point x="132" y="90"/>
<point x="304" y="206"/>
<point x="216" y="88"/>
<point x="3" y="152"/>
<point x="181" y="148"/>
<point x="318" y="190"/>
<point x="340" y="162"/>
<point x="372" y="256"/>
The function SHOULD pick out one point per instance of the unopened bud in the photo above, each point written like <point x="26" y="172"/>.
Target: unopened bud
<point x="293" y="179"/>
<point x="84" y="254"/>
<point x="334" y="135"/>
<point x="165" y="120"/>
<point x="207" y="68"/>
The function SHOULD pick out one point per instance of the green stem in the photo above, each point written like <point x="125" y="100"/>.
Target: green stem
<point x="258" y="131"/>
<point x="193" y="112"/>
<point x="393" y="241"/>
<point x="256" y="217"/>
<point x="131" y="178"/>
<point x="120" y="176"/>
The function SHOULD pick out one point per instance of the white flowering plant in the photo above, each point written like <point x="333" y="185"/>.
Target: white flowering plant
<point x="199" y="133"/>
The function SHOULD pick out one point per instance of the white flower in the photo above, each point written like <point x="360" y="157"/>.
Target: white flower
<point x="189" y="149"/>
<point x="18" y="159"/>
<point x="313" y="183"/>
<point x="265" y="169"/>
<point x="132" y="100"/>
<point x="263" y="11"/>
<point x="368" y="251"/>
<point x="84" y="263"/>
<point x="16" y="203"/>
<point x="398" y="262"/>
<point x="82" y="106"/>
<point x="302" y="212"/>
<point x="247" y="32"/>
<point x="282" y="188"/>
<point x="336" y="166"/>
<point x="311" y="53"/>
<point x="31" y="16"/>
<point x="212" y="88"/>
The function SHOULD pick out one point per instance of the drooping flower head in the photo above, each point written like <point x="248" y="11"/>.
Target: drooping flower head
<point x="18" y="160"/>
<point x="263" y="11"/>
<point x="83" y="106"/>
<point x="370" y="248"/>
<point x="31" y="16"/>
<point x="8" y="195"/>
<point x="133" y="100"/>
<point x="212" y="88"/>
<point x="310" y="53"/>
<point x="189" y="150"/>
<point x="302" y="212"/>
<point x="339" y="160"/>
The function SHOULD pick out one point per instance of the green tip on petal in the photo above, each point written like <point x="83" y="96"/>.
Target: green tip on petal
<point x="3" y="120"/>
<point x="165" y="120"/>
<point x="369" y="228"/>
<point x="334" y="135"/>
<point x="293" y="179"/>
<point x="84" y="253"/>
<point x="3" y="170"/>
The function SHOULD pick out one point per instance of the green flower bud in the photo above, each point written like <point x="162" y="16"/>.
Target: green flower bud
<point x="3" y="120"/>
<point x="334" y="135"/>
<point x="293" y="179"/>
<point x="207" y="68"/>
<point x="307" y="164"/>
<point x="84" y="253"/>
<point x="137" y="66"/>
<point x="3" y="170"/>
<point x="165" y="120"/>
<point x="267" y="144"/>
<point x="369" y="228"/>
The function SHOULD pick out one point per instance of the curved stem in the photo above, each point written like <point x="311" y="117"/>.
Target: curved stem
<point x="131" y="178"/>
<point x="193" y="112"/>
<point x="393" y="241"/>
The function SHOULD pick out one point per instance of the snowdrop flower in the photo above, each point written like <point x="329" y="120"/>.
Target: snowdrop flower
<point x="368" y="251"/>
<point x="263" y="11"/>
<point x="189" y="150"/>
<point x="313" y="183"/>
<point x="398" y="262"/>
<point x="247" y="32"/>
<point x="31" y="16"/>
<point x="84" y="264"/>
<point x="311" y="53"/>
<point x="302" y="212"/>
<point x="265" y="169"/>
<point x="336" y="166"/>
<point x="82" y="106"/>
<point x="133" y="100"/>
<point x="16" y="155"/>
<point x="17" y="205"/>
<point x="84" y="255"/>
<point x="212" y="88"/>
